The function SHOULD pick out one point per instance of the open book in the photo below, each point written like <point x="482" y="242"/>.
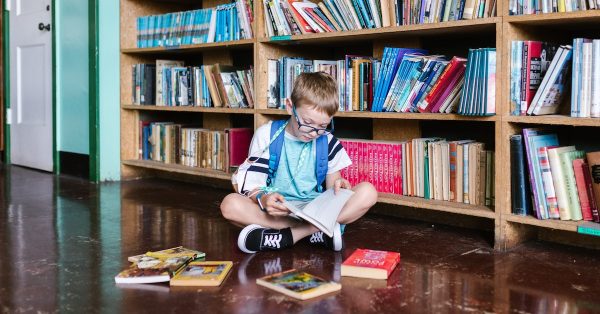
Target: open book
<point x="323" y="211"/>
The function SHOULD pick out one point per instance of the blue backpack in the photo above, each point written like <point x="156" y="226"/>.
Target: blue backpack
<point x="275" y="152"/>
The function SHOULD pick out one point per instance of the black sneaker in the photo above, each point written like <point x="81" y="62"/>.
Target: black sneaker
<point x="333" y="243"/>
<point x="256" y="238"/>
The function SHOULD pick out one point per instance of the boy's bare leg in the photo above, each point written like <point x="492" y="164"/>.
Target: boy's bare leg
<point x="242" y="212"/>
<point x="364" y="197"/>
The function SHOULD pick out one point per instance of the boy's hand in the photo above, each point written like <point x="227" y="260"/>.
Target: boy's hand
<point x="341" y="183"/>
<point x="273" y="204"/>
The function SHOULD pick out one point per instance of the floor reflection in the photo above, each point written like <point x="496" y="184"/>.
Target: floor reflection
<point x="63" y="241"/>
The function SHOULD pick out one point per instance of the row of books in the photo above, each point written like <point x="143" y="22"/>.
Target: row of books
<point x="516" y="7"/>
<point x="585" y="82"/>
<point x="562" y="180"/>
<point x="294" y="17"/>
<point x="170" y="83"/>
<point x="181" y="266"/>
<point x="192" y="146"/>
<point x="540" y="75"/>
<point x="431" y="168"/>
<point x="405" y="80"/>
<point x="225" y="22"/>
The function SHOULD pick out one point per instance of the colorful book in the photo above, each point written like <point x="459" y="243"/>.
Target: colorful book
<point x="367" y="263"/>
<point x="298" y="284"/>
<point x="202" y="273"/>
<point x="168" y="253"/>
<point x="151" y="270"/>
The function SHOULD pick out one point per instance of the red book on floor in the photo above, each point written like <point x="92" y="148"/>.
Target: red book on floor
<point x="239" y="144"/>
<point x="370" y="264"/>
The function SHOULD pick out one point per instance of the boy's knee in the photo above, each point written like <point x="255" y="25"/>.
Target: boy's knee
<point x="368" y="193"/>
<point x="230" y="205"/>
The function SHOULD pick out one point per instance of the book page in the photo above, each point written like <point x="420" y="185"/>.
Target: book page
<point x="323" y="210"/>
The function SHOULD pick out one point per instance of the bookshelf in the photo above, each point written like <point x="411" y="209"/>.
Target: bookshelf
<point x="449" y="38"/>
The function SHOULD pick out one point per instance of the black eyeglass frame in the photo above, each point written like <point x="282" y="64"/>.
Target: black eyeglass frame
<point x="312" y="129"/>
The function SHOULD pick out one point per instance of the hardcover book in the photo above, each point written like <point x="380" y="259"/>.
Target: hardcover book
<point x="298" y="284"/>
<point x="202" y="273"/>
<point x="370" y="264"/>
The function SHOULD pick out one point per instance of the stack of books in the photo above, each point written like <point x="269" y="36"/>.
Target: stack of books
<point x="431" y="168"/>
<point x="170" y="83"/>
<point x="562" y="179"/>
<point x="294" y="17"/>
<point x="516" y="7"/>
<point x="172" y="143"/>
<point x="540" y="75"/>
<point x="226" y="22"/>
<point x="405" y="80"/>
<point x="179" y="266"/>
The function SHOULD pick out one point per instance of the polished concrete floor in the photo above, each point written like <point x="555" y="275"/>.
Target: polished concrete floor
<point x="62" y="241"/>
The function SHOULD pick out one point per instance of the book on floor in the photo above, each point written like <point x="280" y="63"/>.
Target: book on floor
<point x="323" y="211"/>
<point x="202" y="273"/>
<point x="298" y="284"/>
<point x="168" y="253"/>
<point x="367" y="263"/>
<point x="152" y="270"/>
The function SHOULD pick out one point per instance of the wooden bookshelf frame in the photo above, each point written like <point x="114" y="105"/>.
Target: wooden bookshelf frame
<point x="509" y="230"/>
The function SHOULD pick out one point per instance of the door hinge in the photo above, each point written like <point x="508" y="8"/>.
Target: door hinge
<point x="8" y="116"/>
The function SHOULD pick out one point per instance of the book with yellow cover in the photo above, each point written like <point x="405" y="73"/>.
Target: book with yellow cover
<point x="202" y="273"/>
<point x="168" y="253"/>
<point x="298" y="284"/>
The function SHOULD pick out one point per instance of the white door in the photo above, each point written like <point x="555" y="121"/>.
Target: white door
<point x="31" y="83"/>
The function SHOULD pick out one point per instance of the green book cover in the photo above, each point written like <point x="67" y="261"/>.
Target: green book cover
<point x="566" y="161"/>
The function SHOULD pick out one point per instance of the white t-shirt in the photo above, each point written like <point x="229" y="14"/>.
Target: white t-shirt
<point x="253" y="173"/>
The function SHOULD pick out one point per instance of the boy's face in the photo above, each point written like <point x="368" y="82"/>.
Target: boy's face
<point x="309" y="117"/>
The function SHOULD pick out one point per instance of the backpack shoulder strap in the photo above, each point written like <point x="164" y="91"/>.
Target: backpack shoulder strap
<point x="322" y="152"/>
<point x="275" y="149"/>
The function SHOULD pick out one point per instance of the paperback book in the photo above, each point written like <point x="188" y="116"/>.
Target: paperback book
<point x="152" y="270"/>
<point x="298" y="284"/>
<point x="202" y="273"/>
<point x="323" y="211"/>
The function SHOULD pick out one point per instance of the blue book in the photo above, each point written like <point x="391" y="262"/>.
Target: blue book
<point x="388" y="71"/>
<point x="520" y="192"/>
<point x="535" y="143"/>
<point x="465" y="97"/>
<point x="384" y="64"/>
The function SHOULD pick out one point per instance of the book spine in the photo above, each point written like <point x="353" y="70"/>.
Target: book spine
<point x="579" y="167"/>
<point x="590" y="191"/>
<point x="518" y="181"/>
<point x="547" y="183"/>
<point x="569" y="176"/>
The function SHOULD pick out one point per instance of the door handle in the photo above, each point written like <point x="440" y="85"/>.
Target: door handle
<point x="42" y="27"/>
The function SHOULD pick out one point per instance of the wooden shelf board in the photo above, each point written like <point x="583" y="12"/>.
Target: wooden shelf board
<point x="444" y="206"/>
<point x="149" y="164"/>
<point x="554" y="119"/>
<point x="393" y="115"/>
<point x="244" y="43"/>
<point x="565" y="225"/>
<point x="376" y="33"/>
<point x="566" y="18"/>
<point x="188" y="109"/>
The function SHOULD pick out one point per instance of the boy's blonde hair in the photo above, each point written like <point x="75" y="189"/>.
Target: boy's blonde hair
<point x="318" y="89"/>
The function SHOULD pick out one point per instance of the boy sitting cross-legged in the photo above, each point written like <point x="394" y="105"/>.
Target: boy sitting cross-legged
<point x="307" y="153"/>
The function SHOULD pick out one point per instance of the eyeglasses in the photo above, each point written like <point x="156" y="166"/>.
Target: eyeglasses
<point x="309" y="129"/>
